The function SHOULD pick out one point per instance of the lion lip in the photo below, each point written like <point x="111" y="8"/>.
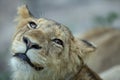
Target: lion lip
<point x="24" y="57"/>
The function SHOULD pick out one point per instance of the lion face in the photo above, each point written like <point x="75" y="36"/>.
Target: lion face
<point x="45" y="47"/>
<point x="40" y="41"/>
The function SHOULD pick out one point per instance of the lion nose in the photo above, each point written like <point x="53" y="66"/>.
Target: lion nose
<point x="30" y="44"/>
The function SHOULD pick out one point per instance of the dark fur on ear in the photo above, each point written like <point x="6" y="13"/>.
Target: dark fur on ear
<point x="24" y="12"/>
<point x="83" y="48"/>
<point x="89" y="47"/>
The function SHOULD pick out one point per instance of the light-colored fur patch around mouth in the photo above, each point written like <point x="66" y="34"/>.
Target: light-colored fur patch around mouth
<point x="24" y="57"/>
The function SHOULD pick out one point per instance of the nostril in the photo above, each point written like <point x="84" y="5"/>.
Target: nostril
<point x="25" y="40"/>
<point x="30" y="45"/>
<point x="35" y="46"/>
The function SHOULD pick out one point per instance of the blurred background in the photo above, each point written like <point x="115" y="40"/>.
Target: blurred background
<point x="79" y="15"/>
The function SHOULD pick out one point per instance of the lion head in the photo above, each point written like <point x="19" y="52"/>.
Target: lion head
<point x="44" y="49"/>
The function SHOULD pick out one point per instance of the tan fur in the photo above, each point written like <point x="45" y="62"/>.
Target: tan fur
<point x="58" y="62"/>
<point x="107" y="54"/>
<point x="86" y="73"/>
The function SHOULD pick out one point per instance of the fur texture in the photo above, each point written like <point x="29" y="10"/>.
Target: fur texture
<point x="60" y="54"/>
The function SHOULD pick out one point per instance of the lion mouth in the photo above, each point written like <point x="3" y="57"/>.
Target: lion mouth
<point x="24" y="57"/>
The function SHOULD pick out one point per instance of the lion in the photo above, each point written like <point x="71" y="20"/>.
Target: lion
<point x="107" y="40"/>
<point x="43" y="49"/>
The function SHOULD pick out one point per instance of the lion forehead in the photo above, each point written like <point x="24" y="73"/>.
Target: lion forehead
<point x="53" y="28"/>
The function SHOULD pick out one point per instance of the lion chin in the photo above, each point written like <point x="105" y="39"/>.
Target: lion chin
<point x="43" y="49"/>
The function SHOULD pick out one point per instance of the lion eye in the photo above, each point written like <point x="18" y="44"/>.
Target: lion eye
<point x="58" y="41"/>
<point x="32" y="24"/>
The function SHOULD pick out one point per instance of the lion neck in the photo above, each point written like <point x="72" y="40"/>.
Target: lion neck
<point x="85" y="73"/>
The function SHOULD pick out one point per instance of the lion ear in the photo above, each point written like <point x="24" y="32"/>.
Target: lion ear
<point x="84" y="48"/>
<point x="24" y="12"/>
<point x="88" y="47"/>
